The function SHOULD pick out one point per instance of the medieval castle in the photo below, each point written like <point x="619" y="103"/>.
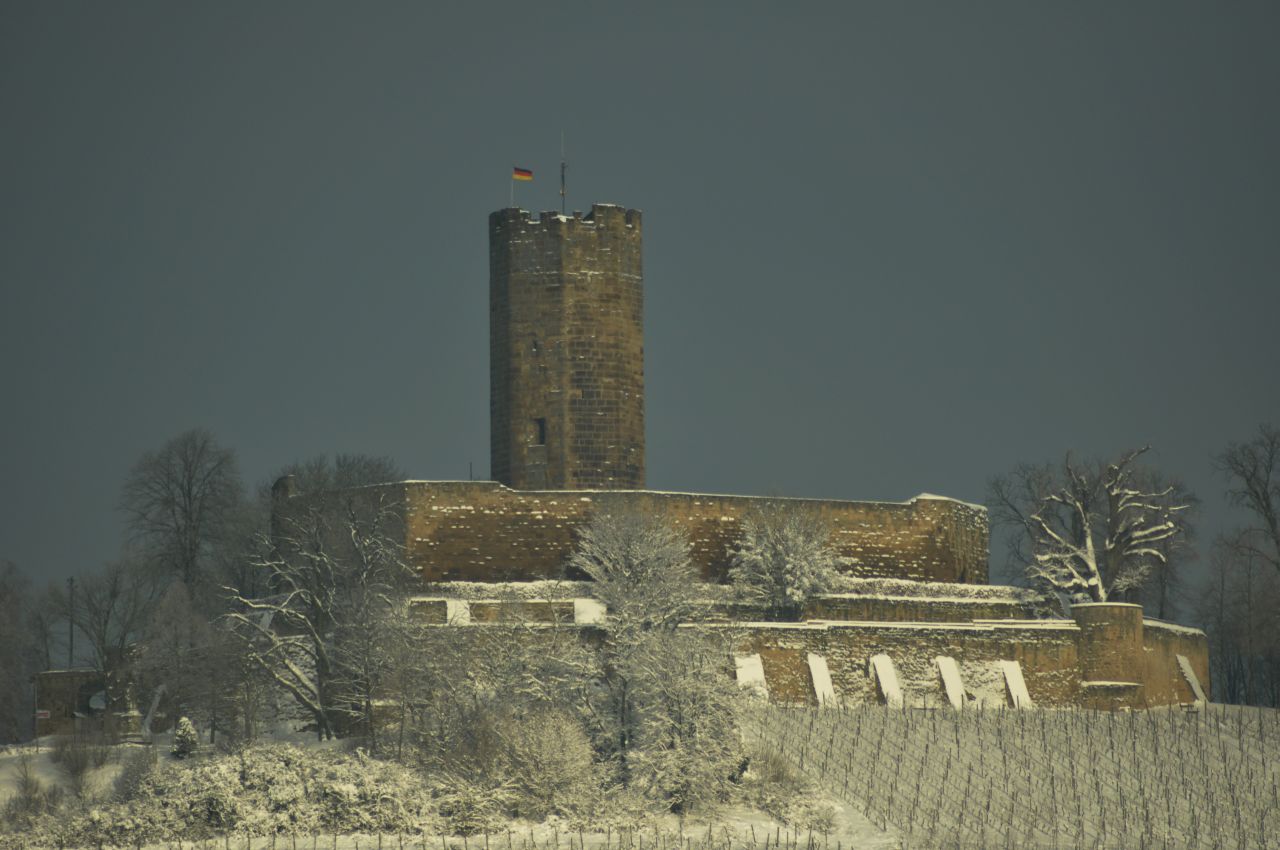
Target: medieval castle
<point x="917" y="623"/>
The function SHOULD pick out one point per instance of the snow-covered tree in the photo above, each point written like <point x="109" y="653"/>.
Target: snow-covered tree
<point x="1099" y="536"/>
<point x="338" y="570"/>
<point x="667" y="711"/>
<point x="641" y="568"/>
<point x="782" y="557"/>
<point x="185" y="739"/>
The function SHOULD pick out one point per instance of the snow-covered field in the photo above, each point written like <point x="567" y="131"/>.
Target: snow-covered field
<point x="1152" y="779"/>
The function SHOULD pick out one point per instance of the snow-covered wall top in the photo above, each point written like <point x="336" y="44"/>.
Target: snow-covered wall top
<point x="484" y="531"/>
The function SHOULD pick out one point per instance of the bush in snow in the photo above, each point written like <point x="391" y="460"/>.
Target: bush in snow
<point x="469" y="806"/>
<point x="549" y="759"/>
<point x="185" y="739"/>
<point x="782" y="557"/>
<point x="265" y="791"/>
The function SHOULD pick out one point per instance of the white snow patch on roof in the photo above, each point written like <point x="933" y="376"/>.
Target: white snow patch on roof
<point x="976" y="507"/>
<point x="497" y="485"/>
<point x="1150" y="623"/>
<point x="852" y="585"/>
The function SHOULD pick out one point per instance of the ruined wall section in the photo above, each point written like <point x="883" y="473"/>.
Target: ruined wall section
<point x="482" y="531"/>
<point x="566" y="349"/>
<point x="1163" y="682"/>
<point x="1128" y="661"/>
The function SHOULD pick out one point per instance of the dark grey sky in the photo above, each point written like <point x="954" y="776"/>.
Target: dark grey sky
<point x="889" y="248"/>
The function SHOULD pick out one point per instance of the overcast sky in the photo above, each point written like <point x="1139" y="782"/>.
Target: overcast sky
<point x="889" y="248"/>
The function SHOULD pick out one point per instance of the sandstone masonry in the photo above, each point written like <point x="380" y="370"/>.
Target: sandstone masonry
<point x="566" y="349"/>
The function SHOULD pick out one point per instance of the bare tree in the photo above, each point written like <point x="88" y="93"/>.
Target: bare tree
<point x="1240" y="601"/>
<point x="1253" y="469"/>
<point x="179" y="501"/>
<point x="1163" y="593"/>
<point x="782" y="557"/>
<point x="182" y="663"/>
<point x="344" y="471"/>
<point x="1012" y="499"/>
<point x="337" y="568"/>
<point x="1099" y="537"/>
<point x="20" y="654"/>
<point x="49" y="628"/>
<point x="111" y="610"/>
<point x="1239" y="605"/>
<point x="236" y="560"/>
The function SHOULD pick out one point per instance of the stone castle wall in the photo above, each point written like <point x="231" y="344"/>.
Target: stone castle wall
<point x="483" y="531"/>
<point x="566" y="349"/>
<point x="1106" y="656"/>
<point x="1048" y="653"/>
<point x="1059" y="658"/>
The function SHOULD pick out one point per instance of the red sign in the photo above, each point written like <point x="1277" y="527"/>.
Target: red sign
<point x="42" y="714"/>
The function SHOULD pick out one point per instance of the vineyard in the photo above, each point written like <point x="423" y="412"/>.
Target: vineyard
<point x="1072" y="778"/>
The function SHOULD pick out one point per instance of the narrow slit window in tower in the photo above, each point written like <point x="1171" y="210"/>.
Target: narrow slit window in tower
<point x="540" y="437"/>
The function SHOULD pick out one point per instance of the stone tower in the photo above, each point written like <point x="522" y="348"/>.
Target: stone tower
<point x="566" y="350"/>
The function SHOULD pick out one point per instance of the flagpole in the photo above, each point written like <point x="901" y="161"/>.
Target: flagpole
<point x="562" y="170"/>
<point x="513" y="190"/>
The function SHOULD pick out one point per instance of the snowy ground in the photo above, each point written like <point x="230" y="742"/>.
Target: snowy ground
<point x="39" y="754"/>
<point x="731" y="828"/>
<point x="727" y="829"/>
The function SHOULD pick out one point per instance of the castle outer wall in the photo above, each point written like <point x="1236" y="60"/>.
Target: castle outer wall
<point x="1106" y="657"/>
<point x="1058" y="659"/>
<point x="483" y="531"/>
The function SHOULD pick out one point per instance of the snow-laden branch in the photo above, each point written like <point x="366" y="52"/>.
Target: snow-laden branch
<point x="1131" y="523"/>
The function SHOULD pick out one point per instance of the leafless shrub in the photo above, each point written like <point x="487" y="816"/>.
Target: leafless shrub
<point x="73" y="756"/>
<point x="470" y="807"/>
<point x="31" y="797"/>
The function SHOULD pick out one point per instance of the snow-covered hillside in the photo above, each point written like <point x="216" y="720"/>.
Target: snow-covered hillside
<point x="1072" y="778"/>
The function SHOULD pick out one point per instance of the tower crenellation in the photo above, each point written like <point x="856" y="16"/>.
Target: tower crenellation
<point x="566" y="349"/>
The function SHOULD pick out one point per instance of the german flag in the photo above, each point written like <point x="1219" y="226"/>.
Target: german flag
<point x="521" y="174"/>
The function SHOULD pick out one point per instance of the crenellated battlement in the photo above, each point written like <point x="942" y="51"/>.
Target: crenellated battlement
<point x="599" y="216"/>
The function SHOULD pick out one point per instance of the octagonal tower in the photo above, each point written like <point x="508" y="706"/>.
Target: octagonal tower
<point x="566" y="350"/>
